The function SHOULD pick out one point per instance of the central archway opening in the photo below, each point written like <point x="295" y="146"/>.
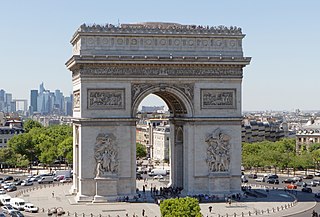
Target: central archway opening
<point x="162" y="138"/>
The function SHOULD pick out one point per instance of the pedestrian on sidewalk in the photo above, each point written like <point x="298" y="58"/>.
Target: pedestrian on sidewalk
<point x="210" y="209"/>
<point x="52" y="193"/>
<point x="143" y="212"/>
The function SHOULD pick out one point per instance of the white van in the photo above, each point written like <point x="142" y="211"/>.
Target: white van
<point x="155" y="172"/>
<point x="5" y="199"/>
<point x="46" y="179"/>
<point x="17" y="203"/>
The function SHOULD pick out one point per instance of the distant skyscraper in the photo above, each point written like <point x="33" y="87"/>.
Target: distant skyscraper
<point x="33" y="101"/>
<point x="2" y="103"/>
<point x="41" y="89"/>
<point x="8" y="100"/>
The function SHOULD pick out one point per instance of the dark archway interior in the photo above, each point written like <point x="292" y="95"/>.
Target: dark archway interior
<point x="175" y="105"/>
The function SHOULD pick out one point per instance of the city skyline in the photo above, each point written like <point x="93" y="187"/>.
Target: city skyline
<point x="280" y="37"/>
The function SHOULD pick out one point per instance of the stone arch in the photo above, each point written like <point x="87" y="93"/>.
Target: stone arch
<point x="196" y="70"/>
<point x="178" y="101"/>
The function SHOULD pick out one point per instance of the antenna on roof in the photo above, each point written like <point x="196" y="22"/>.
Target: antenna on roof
<point x="118" y="22"/>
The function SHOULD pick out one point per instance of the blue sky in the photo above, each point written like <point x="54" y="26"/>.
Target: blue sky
<point x="282" y="37"/>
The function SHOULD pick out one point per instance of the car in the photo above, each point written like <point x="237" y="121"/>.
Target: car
<point x="29" y="207"/>
<point x="291" y="186"/>
<point x="312" y="184"/>
<point x="317" y="173"/>
<point x="12" y="188"/>
<point x="18" y="182"/>
<point x="273" y="181"/>
<point x="66" y="180"/>
<point x="252" y="176"/>
<point x="301" y="184"/>
<point x="58" y="178"/>
<point x="316" y="181"/>
<point x="26" y="183"/>
<point x="317" y="195"/>
<point x="3" y="191"/>
<point x="273" y="176"/>
<point x="8" y="178"/>
<point x="7" y="209"/>
<point x="289" y="180"/>
<point x="159" y="177"/>
<point x="260" y="179"/>
<point x="308" y="176"/>
<point x="306" y="189"/>
<point x="297" y="179"/>
<point x="16" y="213"/>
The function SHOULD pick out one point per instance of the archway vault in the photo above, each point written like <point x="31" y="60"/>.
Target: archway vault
<point x="178" y="97"/>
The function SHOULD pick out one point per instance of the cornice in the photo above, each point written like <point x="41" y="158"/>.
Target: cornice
<point x="158" y="60"/>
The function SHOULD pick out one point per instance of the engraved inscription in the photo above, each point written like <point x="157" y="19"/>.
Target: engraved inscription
<point x="76" y="99"/>
<point x="106" y="99"/>
<point x="218" y="98"/>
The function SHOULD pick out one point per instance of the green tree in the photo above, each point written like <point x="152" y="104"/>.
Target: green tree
<point x="65" y="149"/>
<point x="180" y="207"/>
<point x="30" y="124"/>
<point x="141" y="150"/>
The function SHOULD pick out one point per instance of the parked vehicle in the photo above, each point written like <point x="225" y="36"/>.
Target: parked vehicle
<point x="273" y="176"/>
<point x="291" y="186"/>
<point x="26" y="183"/>
<point x="7" y="209"/>
<point x="289" y="180"/>
<point x="155" y="172"/>
<point x="273" y="181"/>
<point x="5" y="199"/>
<point x="29" y="207"/>
<point x="158" y="177"/>
<point x="308" y="176"/>
<point x="12" y="188"/>
<point x="65" y="173"/>
<point x="17" y="203"/>
<point x="306" y="189"/>
<point x="8" y="178"/>
<point x="301" y="184"/>
<point x="46" y="179"/>
<point x="3" y="191"/>
<point x="317" y="173"/>
<point x="260" y="179"/>
<point x="16" y="213"/>
<point x="66" y="180"/>
<point x="252" y="176"/>
<point x="312" y="184"/>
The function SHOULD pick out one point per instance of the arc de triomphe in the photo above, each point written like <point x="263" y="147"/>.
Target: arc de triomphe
<point x="196" y="70"/>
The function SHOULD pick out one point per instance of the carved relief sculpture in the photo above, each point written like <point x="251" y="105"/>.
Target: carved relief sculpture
<point x="106" y="155"/>
<point x="218" y="98"/>
<point x="106" y="99"/>
<point x="76" y="99"/>
<point x="218" y="151"/>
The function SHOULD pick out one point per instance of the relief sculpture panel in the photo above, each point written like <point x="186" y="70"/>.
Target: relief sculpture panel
<point x="106" y="155"/>
<point x="218" y="151"/>
<point x="106" y="99"/>
<point x="218" y="99"/>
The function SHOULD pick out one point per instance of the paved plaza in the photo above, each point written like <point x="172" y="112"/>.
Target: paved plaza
<point x="277" y="203"/>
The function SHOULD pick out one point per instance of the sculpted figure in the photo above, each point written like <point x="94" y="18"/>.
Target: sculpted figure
<point x="218" y="151"/>
<point x="106" y="155"/>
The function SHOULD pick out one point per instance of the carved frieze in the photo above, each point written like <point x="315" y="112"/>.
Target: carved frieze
<point x="93" y="70"/>
<point x="76" y="99"/>
<point x="218" y="98"/>
<point x="106" y="99"/>
<point x="106" y="155"/>
<point x="218" y="151"/>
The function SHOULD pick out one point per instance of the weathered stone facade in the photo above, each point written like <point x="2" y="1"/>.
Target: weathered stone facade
<point x="196" y="70"/>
